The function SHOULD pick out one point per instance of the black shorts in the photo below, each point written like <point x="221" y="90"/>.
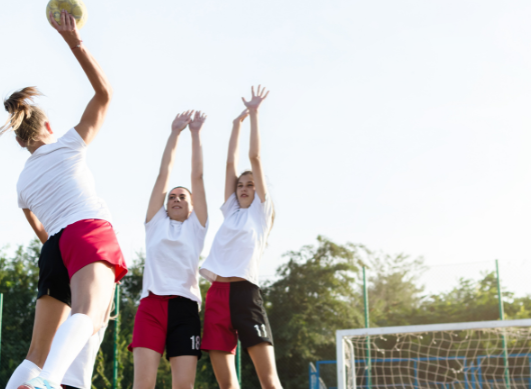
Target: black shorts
<point x="168" y="322"/>
<point x="235" y="310"/>
<point x="53" y="275"/>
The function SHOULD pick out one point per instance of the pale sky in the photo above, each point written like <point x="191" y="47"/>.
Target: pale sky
<point x="402" y="125"/>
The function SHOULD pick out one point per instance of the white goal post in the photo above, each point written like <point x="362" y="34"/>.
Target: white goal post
<point x="471" y="355"/>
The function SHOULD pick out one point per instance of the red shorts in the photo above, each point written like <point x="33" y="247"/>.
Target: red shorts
<point x="88" y="241"/>
<point x="234" y="310"/>
<point x="170" y="322"/>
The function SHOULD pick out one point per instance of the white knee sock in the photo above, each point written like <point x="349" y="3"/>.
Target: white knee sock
<point x="24" y="372"/>
<point x="69" y="340"/>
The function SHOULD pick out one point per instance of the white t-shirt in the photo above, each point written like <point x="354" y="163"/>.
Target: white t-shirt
<point x="240" y="241"/>
<point x="172" y="256"/>
<point x="57" y="186"/>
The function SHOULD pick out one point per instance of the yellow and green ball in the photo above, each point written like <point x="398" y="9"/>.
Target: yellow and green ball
<point x="74" y="7"/>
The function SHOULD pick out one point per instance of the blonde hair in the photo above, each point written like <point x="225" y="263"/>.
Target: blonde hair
<point x="26" y="118"/>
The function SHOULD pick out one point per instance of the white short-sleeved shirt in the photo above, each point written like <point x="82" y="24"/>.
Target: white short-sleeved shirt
<point x="240" y="241"/>
<point x="172" y="256"/>
<point x="57" y="185"/>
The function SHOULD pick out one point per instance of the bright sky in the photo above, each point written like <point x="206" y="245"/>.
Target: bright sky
<point x="402" y="125"/>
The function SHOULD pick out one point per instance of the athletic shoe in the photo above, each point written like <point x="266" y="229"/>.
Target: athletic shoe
<point x="39" y="383"/>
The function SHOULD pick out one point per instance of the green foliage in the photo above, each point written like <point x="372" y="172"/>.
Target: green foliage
<point x="318" y="290"/>
<point x="19" y="275"/>
<point x="313" y="297"/>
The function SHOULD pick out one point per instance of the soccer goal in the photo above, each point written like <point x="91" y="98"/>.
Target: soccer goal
<point x="473" y="355"/>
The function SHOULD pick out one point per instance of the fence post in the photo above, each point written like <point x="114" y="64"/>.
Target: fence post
<point x="504" y="342"/>
<point x="116" y="329"/>
<point x="1" y="309"/>
<point x="239" y="362"/>
<point x="368" y="364"/>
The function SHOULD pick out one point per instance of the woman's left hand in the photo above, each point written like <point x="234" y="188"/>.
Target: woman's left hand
<point x="67" y="28"/>
<point x="256" y="99"/>
<point x="198" y="121"/>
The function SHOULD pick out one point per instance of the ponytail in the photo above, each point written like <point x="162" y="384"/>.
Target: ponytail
<point x="26" y="118"/>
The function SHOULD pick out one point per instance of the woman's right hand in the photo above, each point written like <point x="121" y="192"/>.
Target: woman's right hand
<point x="67" y="28"/>
<point x="241" y="117"/>
<point x="181" y="121"/>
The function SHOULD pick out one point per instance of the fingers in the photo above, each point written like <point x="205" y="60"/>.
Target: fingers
<point x="252" y="91"/>
<point x="52" y="20"/>
<point x="63" y="18"/>
<point x="72" y="25"/>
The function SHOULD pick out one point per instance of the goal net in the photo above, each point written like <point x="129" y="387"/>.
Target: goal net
<point x="473" y="355"/>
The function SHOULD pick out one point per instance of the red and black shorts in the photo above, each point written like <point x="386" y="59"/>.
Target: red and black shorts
<point x="74" y="247"/>
<point x="168" y="322"/>
<point x="235" y="310"/>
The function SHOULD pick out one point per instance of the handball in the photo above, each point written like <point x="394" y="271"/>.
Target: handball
<point x="76" y="8"/>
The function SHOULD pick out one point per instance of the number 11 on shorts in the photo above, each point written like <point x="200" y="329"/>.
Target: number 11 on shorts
<point x="260" y="329"/>
<point x="196" y="342"/>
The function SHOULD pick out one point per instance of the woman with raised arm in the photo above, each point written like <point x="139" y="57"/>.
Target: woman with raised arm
<point x="168" y="315"/>
<point x="234" y="307"/>
<point x="57" y="194"/>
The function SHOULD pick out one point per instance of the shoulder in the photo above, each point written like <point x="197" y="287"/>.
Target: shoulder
<point x="160" y="217"/>
<point x="73" y="140"/>
<point x="230" y="206"/>
<point x="194" y="222"/>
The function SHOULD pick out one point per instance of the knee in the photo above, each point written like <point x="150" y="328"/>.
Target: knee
<point x="229" y="384"/>
<point x="271" y="383"/>
<point x="183" y="385"/>
<point x="144" y="384"/>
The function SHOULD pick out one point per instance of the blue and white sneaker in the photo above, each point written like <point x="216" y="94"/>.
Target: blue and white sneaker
<point x="39" y="383"/>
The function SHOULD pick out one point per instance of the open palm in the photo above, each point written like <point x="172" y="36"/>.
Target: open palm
<point x="256" y="99"/>
<point x="197" y="123"/>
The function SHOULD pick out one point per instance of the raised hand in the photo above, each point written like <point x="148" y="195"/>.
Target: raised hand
<point x="67" y="28"/>
<point x="241" y="117"/>
<point x="197" y="122"/>
<point x="256" y="99"/>
<point x="181" y="121"/>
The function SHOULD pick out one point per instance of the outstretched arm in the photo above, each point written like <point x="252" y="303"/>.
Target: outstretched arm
<point x="36" y="225"/>
<point x="232" y="157"/>
<point x="160" y="189"/>
<point x="254" y="148"/>
<point x="198" y="185"/>
<point x="96" y="110"/>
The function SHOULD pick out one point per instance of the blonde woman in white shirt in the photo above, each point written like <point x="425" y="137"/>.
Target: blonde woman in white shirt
<point x="56" y="191"/>
<point x="168" y="315"/>
<point x="234" y="307"/>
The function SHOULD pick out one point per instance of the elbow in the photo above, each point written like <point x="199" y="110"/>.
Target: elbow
<point x="254" y="157"/>
<point x="197" y="176"/>
<point x="105" y="93"/>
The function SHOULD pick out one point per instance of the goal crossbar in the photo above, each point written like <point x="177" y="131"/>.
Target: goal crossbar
<point x="343" y="335"/>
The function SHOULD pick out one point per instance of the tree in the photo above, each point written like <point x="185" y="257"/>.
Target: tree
<point x="313" y="297"/>
<point x="19" y="275"/>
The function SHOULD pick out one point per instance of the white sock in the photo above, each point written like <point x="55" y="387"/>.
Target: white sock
<point x="69" y="340"/>
<point x="23" y="373"/>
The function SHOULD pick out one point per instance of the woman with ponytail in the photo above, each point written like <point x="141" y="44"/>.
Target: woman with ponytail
<point x="234" y="307"/>
<point x="80" y="260"/>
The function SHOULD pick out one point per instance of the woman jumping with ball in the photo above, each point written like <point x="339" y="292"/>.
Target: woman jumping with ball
<point x="57" y="194"/>
<point x="168" y="315"/>
<point x="234" y="307"/>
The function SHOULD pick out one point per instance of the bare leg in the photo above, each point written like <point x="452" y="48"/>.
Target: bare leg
<point x="50" y="313"/>
<point x="263" y="356"/>
<point x="183" y="370"/>
<point x="92" y="289"/>
<point x="92" y="292"/>
<point x="224" y="369"/>
<point x="146" y="366"/>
